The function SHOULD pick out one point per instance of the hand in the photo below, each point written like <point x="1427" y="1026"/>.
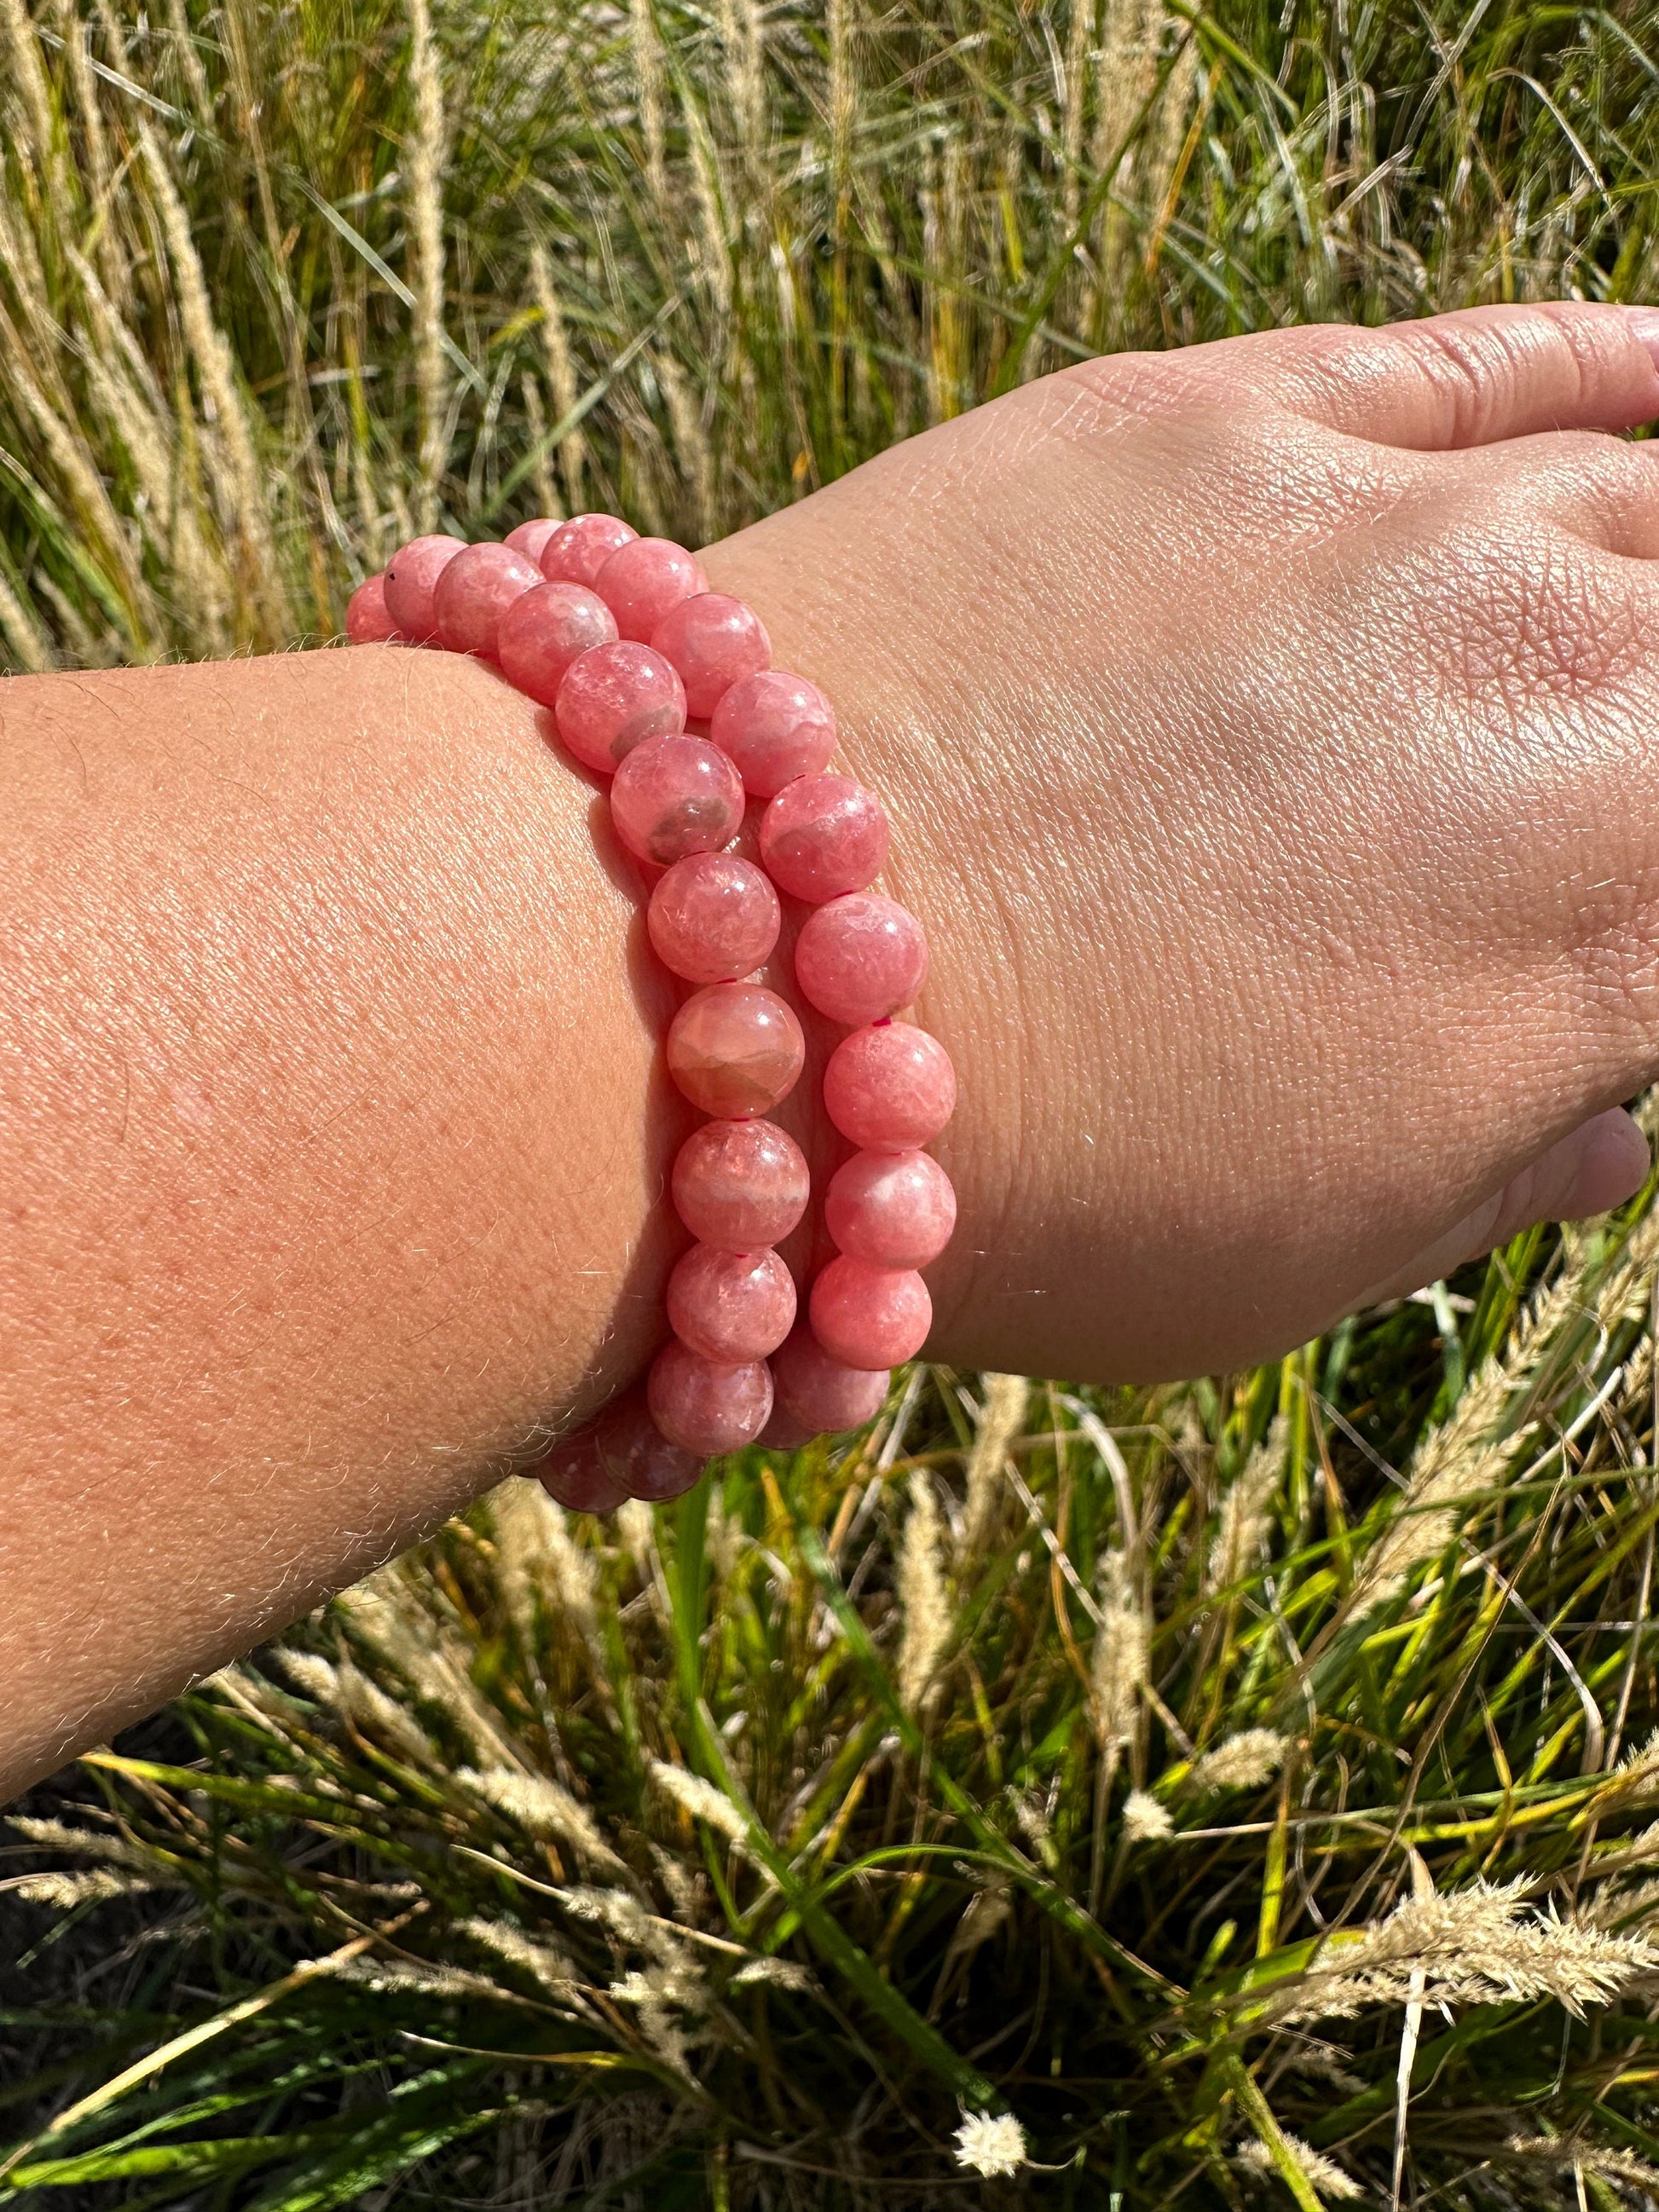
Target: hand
<point x="1271" y="732"/>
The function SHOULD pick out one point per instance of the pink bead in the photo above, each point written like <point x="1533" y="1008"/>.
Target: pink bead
<point x="546" y="631"/>
<point x="474" y="591"/>
<point x="576" y="551"/>
<point x="775" y="727"/>
<point x="824" y="1395"/>
<point x="870" y="1317"/>
<point x="642" y="580"/>
<point x="740" y="1184"/>
<point x="714" y="640"/>
<point x="714" y="918"/>
<point x="529" y="538"/>
<point x="635" y="1451"/>
<point x="575" y="1472"/>
<point x="889" y="1088"/>
<point x="893" y="1209"/>
<point x="861" y="956"/>
<point x="735" y="1049"/>
<point x="367" y="620"/>
<point x="730" y="1306"/>
<point x="613" y="699"/>
<point x="411" y="577"/>
<point x="823" y="835"/>
<point x="704" y="1407"/>
<point x="620" y="1454"/>
<point x="671" y="796"/>
<point x="783" y="1432"/>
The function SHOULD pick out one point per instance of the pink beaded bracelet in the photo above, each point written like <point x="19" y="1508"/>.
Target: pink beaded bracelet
<point x="621" y="636"/>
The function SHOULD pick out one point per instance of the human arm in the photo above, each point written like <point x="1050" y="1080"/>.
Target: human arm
<point x="1267" y="733"/>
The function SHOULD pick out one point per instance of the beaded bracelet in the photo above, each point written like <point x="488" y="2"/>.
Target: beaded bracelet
<point x="621" y="636"/>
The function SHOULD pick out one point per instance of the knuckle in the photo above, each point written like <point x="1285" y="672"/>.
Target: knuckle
<point x="1527" y="621"/>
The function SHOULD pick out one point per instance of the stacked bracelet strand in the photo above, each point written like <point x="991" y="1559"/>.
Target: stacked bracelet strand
<point x="623" y="639"/>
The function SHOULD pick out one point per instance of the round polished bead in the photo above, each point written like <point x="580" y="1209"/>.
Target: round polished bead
<point x="714" y="640"/>
<point x="822" y="836"/>
<point x="576" y="1474"/>
<point x="735" y="1049"/>
<point x="706" y="1407"/>
<point x="642" y="580"/>
<point x="613" y="699"/>
<point x="671" y="796"/>
<point x="474" y="591"/>
<point x="411" y="577"/>
<point x="730" y="1306"/>
<point x="893" y="1209"/>
<point x="529" y="538"/>
<point x="783" y="1432"/>
<point x="634" y="1452"/>
<point x="546" y="631"/>
<point x="740" y="1185"/>
<point x="775" y="727"/>
<point x="861" y="956"/>
<point x="889" y="1088"/>
<point x="368" y="621"/>
<point x="714" y="918"/>
<point x="824" y="1395"/>
<point x="870" y="1317"/>
<point x="576" y="551"/>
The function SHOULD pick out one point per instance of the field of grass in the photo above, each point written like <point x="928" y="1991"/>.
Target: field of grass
<point x="1235" y="1794"/>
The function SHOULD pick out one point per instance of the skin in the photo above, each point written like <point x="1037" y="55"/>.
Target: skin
<point x="1267" y="733"/>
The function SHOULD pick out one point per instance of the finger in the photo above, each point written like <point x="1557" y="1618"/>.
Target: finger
<point x="1599" y="1165"/>
<point x="1467" y="379"/>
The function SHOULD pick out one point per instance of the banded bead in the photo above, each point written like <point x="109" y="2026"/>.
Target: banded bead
<point x="735" y="1050"/>
<point x="822" y="836"/>
<point x="671" y="796"/>
<point x="613" y="698"/>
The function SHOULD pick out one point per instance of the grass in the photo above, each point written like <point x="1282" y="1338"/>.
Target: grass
<point x="1250" y="1787"/>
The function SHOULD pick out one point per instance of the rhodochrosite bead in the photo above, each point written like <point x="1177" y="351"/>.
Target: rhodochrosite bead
<point x="735" y="1049"/>
<point x="823" y="835"/>
<point x="740" y="1184"/>
<point x="775" y="727"/>
<point x="870" y="1317"/>
<point x="576" y="551"/>
<point x="575" y="1474"/>
<point x="635" y="1451"/>
<point x="642" y="580"/>
<point x="706" y="1407"/>
<point x="714" y="640"/>
<point x="730" y="1306"/>
<point x="893" y="1209"/>
<point x="613" y="699"/>
<point x="673" y="796"/>
<point x="889" y="1088"/>
<point x="545" y="631"/>
<point x="714" y="918"/>
<point x="823" y="1394"/>
<point x="861" y="956"/>
<point x="530" y="537"/>
<point x="368" y="621"/>
<point x="411" y="577"/>
<point x="474" y="591"/>
<point x="620" y="1454"/>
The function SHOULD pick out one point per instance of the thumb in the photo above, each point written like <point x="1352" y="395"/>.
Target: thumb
<point x="1597" y="1165"/>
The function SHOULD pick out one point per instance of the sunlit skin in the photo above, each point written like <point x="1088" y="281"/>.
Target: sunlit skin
<point x="1267" y="733"/>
